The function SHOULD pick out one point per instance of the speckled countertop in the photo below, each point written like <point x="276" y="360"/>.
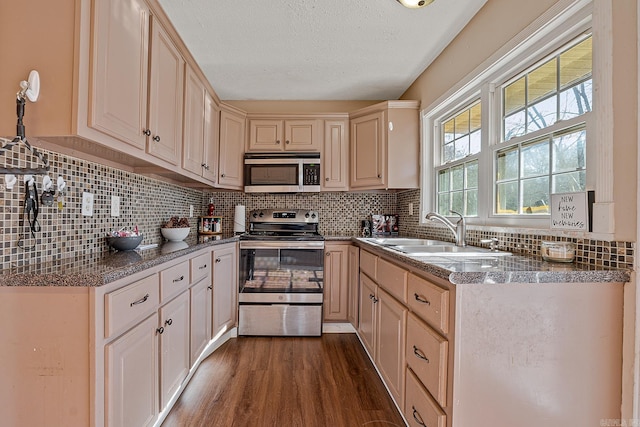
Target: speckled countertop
<point x="502" y="269"/>
<point x="103" y="267"/>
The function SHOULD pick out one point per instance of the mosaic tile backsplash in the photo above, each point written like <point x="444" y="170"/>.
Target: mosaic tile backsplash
<point x="148" y="203"/>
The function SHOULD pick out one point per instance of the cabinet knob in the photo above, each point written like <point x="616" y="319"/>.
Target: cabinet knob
<point x="210" y="287"/>
<point x="168" y="322"/>
<point x="278" y="142"/>
<point x="218" y="260"/>
<point x="160" y="330"/>
<point x="379" y="176"/>
<point x="326" y="179"/>
<point x="222" y="175"/>
<point x="156" y="138"/>
<point x="146" y="132"/>
<point x="327" y="254"/>
<point x="287" y="142"/>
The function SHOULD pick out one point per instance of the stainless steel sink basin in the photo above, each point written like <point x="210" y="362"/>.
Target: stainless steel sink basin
<point x="447" y="250"/>
<point x="402" y="241"/>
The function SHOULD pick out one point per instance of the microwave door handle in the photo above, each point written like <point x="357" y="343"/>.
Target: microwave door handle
<point x="300" y="174"/>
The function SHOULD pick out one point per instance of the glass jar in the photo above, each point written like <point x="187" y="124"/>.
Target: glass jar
<point x="558" y="251"/>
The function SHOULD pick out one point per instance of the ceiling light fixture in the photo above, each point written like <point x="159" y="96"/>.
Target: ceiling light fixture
<point x="415" y="4"/>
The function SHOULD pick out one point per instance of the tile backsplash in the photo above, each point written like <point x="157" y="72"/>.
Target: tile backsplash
<point x="147" y="203"/>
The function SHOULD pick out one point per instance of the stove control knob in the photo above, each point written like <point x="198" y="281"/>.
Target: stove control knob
<point x="313" y="215"/>
<point x="255" y="215"/>
<point x="306" y="215"/>
<point x="261" y="214"/>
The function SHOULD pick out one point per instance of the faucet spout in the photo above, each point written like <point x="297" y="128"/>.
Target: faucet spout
<point x="459" y="229"/>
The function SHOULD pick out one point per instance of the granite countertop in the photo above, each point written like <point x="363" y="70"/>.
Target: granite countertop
<point x="503" y="269"/>
<point x="100" y="268"/>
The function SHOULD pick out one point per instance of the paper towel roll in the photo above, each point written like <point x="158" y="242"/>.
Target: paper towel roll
<point x="239" y="219"/>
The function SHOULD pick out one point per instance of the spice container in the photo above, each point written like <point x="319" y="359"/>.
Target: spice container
<point x="558" y="251"/>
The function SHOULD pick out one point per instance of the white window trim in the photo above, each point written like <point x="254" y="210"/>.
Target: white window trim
<point x="563" y="22"/>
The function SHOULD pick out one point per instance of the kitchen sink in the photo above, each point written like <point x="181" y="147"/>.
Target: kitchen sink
<point x="402" y="241"/>
<point x="447" y="250"/>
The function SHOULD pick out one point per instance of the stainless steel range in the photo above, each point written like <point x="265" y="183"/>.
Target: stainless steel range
<point x="281" y="274"/>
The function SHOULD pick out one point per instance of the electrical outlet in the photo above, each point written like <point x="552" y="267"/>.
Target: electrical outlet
<point x="87" y="204"/>
<point x="410" y="209"/>
<point x="115" y="205"/>
<point x="190" y="211"/>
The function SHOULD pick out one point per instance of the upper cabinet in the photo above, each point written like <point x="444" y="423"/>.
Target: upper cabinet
<point x="385" y="146"/>
<point x="201" y="124"/>
<point x="284" y="135"/>
<point x="232" y="136"/>
<point x="335" y="155"/>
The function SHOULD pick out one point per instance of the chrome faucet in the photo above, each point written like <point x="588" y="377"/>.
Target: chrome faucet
<point x="459" y="229"/>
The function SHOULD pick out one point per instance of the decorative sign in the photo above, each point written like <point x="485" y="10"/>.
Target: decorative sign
<point x="569" y="211"/>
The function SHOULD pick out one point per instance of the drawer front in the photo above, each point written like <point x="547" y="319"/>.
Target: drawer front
<point x="133" y="302"/>
<point x="393" y="279"/>
<point x="419" y="408"/>
<point x="430" y="302"/>
<point x="200" y="267"/>
<point x="368" y="264"/>
<point x="427" y="356"/>
<point x="174" y="280"/>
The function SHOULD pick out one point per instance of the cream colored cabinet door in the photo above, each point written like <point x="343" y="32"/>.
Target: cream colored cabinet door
<point x="368" y="151"/>
<point x="120" y="47"/>
<point x="265" y="135"/>
<point x="164" y="134"/>
<point x="301" y="135"/>
<point x="201" y="301"/>
<point x="211" y="139"/>
<point x="174" y="346"/>
<point x="225" y="266"/>
<point x="335" y="156"/>
<point x="131" y="373"/>
<point x="367" y="322"/>
<point x="231" y="150"/>
<point x="390" y="343"/>
<point x="335" y="304"/>
<point x="194" y="104"/>
<point x="353" y="284"/>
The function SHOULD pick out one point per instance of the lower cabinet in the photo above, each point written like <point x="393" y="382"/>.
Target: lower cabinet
<point x="368" y="313"/>
<point x="390" y="343"/>
<point x="336" y="289"/>
<point x="420" y="409"/>
<point x="353" y="283"/>
<point x="131" y="371"/>
<point x="225" y="283"/>
<point x="175" y="353"/>
<point x="201" y="295"/>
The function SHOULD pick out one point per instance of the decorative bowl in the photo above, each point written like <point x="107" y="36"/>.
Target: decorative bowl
<point x="124" y="243"/>
<point x="175" y="234"/>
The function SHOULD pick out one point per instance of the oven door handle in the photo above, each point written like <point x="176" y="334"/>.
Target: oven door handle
<point x="244" y="244"/>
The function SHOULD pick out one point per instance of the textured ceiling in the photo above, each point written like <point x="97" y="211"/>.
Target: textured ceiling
<point x="315" y="50"/>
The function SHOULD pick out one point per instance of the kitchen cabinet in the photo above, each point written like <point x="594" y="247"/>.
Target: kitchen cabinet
<point x="201" y="129"/>
<point x="335" y="156"/>
<point x="336" y="285"/>
<point x="131" y="368"/>
<point x="353" y="284"/>
<point x="231" y="161"/>
<point x="225" y="288"/>
<point x="368" y="314"/>
<point x="201" y="304"/>
<point x="385" y="146"/>
<point x="283" y="135"/>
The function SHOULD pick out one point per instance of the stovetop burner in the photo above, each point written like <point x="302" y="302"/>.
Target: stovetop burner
<point x="283" y="224"/>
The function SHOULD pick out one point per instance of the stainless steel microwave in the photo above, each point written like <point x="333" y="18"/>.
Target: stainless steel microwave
<point x="281" y="172"/>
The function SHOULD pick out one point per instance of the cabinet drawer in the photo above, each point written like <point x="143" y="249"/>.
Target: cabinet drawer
<point x="430" y="302"/>
<point x="173" y="280"/>
<point x="393" y="279"/>
<point x="427" y="356"/>
<point x="419" y="407"/>
<point x="200" y="267"/>
<point x="133" y="302"/>
<point x="368" y="264"/>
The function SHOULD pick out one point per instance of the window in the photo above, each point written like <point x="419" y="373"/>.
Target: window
<point x="457" y="183"/>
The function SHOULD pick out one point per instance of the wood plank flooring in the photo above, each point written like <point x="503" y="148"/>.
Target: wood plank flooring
<point x="286" y="381"/>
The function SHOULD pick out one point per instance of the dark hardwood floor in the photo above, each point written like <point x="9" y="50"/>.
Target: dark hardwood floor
<point x="286" y="381"/>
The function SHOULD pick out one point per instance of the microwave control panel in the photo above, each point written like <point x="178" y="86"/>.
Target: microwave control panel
<point x="311" y="174"/>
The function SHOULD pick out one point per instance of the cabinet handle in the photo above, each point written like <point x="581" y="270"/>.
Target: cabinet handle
<point x="146" y="132"/>
<point x="371" y="296"/>
<point x="140" y="301"/>
<point x="278" y="142"/>
<point x="168" y="322"/>
<point x="417" y="417"/>
<point x="422" y="300"/>
<point x="218" y="260"/>
<point x="156" y="138"/>
<point x="202" y="267"/>
<point x="179" y="279"/>
<point x="210" y="287"/>
<point x="287" y="142"/>
<point x="419" y="354"/>
<point x="160" y="330"/>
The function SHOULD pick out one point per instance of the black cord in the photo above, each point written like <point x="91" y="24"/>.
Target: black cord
<point x="30" y="213"/>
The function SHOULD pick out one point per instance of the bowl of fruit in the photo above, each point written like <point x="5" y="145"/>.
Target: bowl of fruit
<point x="124" y="240"/>
<point x="176" y="229"/>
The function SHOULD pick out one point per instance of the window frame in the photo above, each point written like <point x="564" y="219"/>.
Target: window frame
<point x="573" y="24"/>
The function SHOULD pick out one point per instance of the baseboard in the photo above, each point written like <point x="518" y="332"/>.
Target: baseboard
<point x="338" y="328"/>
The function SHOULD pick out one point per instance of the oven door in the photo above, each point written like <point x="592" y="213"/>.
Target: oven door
<point x="281" y="272"/>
